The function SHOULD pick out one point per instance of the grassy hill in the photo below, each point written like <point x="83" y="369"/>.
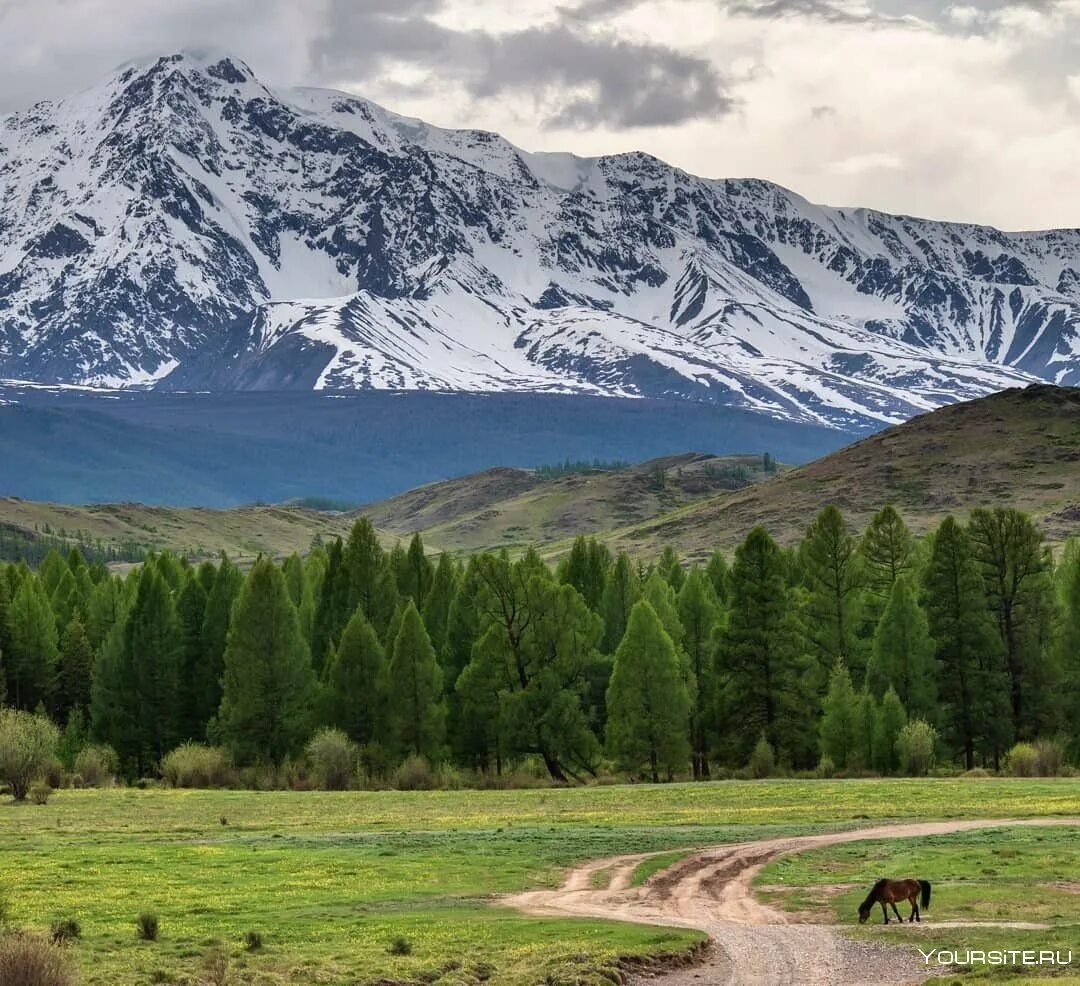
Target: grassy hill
<point x="1018" y="448"/>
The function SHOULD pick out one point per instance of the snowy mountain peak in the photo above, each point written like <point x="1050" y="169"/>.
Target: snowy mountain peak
<point x="183" y="225"/>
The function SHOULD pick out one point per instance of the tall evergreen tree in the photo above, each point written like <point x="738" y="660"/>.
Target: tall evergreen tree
<point x="76" y="668"/>
<point x="717" y="570"/>
<point x="415" y="690"/>
<point x="5" y="631"/>
<point x="670" y="568"/>
<point x="293" y="572"/>
<point x="1069" y="644"/>
<point x="1015" y="566"/>
<point x="415" y="573"/>
<point x="269" y="683"/>
<point x="886" y="548"/>
<point x="370" y="579"/>
<point x="152" y="643"/>
<point x="436" y="609"/>
<point x="972" y="682"/>
<point x="32" y="663"/>
<point x="214" y="635"/>
<point x="191" y="614"/>
<point x="760" y="656"/>
<point x="648" y="701"/>
<point x="586" y="569"/>
<point x="833" y="578"/>
<point x="471" y="715"/>
<point x="699" y="613"/>
<point x="903" y="654"/>
<point x="622" y="590"/>
<point x="355" y="683"/>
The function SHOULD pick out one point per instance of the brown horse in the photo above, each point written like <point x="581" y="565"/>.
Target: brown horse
<point x="889" y="892"/>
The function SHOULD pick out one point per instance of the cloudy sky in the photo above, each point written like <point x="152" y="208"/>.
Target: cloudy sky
<point x="966" y="111"/>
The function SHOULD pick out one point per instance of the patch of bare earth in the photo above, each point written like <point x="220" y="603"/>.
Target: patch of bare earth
<point x="754" y="944"/>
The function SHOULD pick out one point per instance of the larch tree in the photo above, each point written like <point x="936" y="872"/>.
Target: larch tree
<point x="842" y="720"/>
<point x="355" y="683"/>
<point x="622" y="590"/>
<point x="699" y="613"/>
<point x="214" y="636"/>
<point x="269" y="682"/>
<point x="32" y="663"/>
<point x="903" y="653"/>
<point x="415" y="690"/>
<point x="647" y="700"/>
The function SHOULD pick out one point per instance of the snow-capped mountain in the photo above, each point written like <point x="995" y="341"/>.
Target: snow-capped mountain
<point x="182" y="225"/>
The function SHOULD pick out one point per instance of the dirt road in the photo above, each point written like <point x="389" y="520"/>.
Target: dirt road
<point x="754" y="944"/>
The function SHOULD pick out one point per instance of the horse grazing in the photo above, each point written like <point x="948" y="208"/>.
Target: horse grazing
<point x="889" y="892"/>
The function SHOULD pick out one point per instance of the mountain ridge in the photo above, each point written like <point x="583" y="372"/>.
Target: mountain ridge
<point x="183" y="226"/>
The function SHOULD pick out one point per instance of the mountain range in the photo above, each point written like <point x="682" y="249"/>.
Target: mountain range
<point x="183" y="226"/>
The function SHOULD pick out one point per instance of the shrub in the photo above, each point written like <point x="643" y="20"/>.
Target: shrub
<point x="216" y="966"/>
<point x="976" y="773"/>
<point x="40" y="792"/>
<point x="1022" y="761"/>
<point x="65" y="930"/>
<point x="1051" y="756"/>
<point x="197" y="765"/>
<point x="915" y="747"/>
<point x="147" y="927"/>
<point x="333" y="759"/>
<point x="29" y="960"/>
<point x="253" y="940"/>
<point x="762" y="762"/>
<point x="53" y="774"/>
<point x="415" y="774"/>
<point x="97" y="765"/>
<point x="825" y="768"/>
<point x="400" y="946"/>
<point x="27" y="749"/>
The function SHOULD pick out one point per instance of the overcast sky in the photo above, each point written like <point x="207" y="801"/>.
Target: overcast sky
<point x="969" y="111"/>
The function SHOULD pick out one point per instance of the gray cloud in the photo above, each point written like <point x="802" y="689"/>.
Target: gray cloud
<point x="579" y="77"/>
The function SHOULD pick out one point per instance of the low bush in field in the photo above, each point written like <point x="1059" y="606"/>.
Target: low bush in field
<point x="196" y="765"/>
<point x="915" y="747"/>
<point x="400" y="946"/>
<point x="97" y="765"/>
<point x="1022" y="761"/>
<point x="1051" y="757"/>
<point x="29" y="960"/>
<point x="40" y="792"/>
<point x="147" y="927"/>
<point x="762" y="762"/>
<point x="28" y="745"/>
<point x="332" y="756"/>
<point x="65" y="930"/>
<point x="253" y="940"/>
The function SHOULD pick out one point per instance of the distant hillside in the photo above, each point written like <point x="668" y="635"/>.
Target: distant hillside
<point x="1019" y="448"/>
<point x="514" y="507"/>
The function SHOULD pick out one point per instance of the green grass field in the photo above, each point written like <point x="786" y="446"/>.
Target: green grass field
<point x="981" y="880"/>
<point x="331" y="879"/>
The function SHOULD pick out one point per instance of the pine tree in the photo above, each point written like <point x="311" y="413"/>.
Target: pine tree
<point x="903" y="654"/>
<point x="1015" y="566"/>
<point x="842" y="727"/>
<point x="152" y="644"/>
<point x="293" y="572"/>
<point x="355" y="683"/>
<point x="1069" y="648"/>
<point x="831" y="566"/>
<point x="670" y="568"/>
<point x="76" y="668"/>
<point x="886" y="547"/>
<point x="622" y="590"/>
<point x="469" y="713"/>
<point x="760" y="657"/>
<point x="891" y="718"/>
<point x="436" y="609"/>
<point x="699" y="613"/>
<point x="586" y="569"/>
<point x="51" y="571"/>
<point x="32" y="662"/>
<point x="214" y="634"/>
<point x="370" y="579"/>
<point x="334" y="607"/>
<point x="268" y="681"/>
<point x="971" y="678"/>
<point x="718" y="570"/>
<point x="647" y="700"/>
<point x="191" y="613"/>
<point x="415" y="690"/>
<point x="5" y="631"/>
<point x="415" y="574"/>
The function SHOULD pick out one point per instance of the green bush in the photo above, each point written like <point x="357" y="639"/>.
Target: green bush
<point x="253" y="940"/>
<point x="915" y="747"/>
<point x="40" y="792"/>
<point x="1022" y="761"/>
<point x="762" y="762"/>
<point x="415" y="774"/>
<point x="27" y="749"/>
<point x="97" y="765"/>
<point x="65" y="930"/>
<point x="29" y="960"/>
<point x="147" y="927"/>
<point x="825" y="768"/>
<point x="400" y="946"/>
<point x="332" y="756"/>
<point x="197" y="765"/>
<point x="1051" y="757"/>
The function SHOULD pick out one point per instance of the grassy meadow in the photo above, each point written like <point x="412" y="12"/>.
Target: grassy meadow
<point x="331" y="880"/>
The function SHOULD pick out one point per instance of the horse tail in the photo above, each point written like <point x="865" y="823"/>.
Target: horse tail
<point x="925" y="893"/>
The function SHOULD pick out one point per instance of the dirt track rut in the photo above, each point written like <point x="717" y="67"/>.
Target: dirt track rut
<point x="753" y="944"/>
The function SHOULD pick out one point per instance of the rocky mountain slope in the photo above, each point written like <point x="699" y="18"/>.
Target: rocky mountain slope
<point x="182" y="225"/>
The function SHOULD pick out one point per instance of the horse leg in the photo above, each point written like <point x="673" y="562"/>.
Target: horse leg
<point x="914" y="901"/>
<point x="885" y="911"/>
<point x="896" y="912"/>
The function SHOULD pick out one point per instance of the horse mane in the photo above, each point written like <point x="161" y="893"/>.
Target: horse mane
<point x="872" y="896"/>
